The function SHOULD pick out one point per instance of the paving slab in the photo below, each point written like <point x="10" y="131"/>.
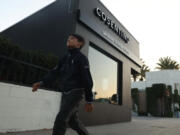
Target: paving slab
<point x="138" y="126"/>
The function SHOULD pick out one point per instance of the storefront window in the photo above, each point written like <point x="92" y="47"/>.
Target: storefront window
<point x="104" y="74"/>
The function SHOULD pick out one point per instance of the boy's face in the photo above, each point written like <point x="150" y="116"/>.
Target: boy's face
<point x="73" y="42"/>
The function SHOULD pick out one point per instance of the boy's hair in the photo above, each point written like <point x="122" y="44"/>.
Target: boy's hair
<point x="79" y="38"/>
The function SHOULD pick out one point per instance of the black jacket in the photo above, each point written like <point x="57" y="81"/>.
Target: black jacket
<point x="73" y="72"/>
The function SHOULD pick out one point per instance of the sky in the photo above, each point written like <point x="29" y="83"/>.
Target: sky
<point x="154" y="23"/>
<point x="13" y="11"/>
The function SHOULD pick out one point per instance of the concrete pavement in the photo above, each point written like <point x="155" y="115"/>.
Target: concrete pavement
<point x="138" y="126"/>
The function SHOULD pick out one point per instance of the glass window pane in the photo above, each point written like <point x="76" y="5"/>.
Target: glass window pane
<point x="104" y="74"/>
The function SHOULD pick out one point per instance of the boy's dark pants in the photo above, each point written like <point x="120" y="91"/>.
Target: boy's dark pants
<point x="69" y="114"/>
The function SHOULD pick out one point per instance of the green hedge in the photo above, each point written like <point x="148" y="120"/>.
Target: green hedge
<point x="7" y="48"/>
<point x="154" y="93"/>
<point x="22" y="66"/>
<point x="158" y="90"/>
<point x="151" y="101"/>
<point x="135" y="95"/>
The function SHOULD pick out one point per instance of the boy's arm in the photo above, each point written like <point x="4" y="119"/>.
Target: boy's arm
<point x="49" y="78"/>
<point x="86" y="79"/>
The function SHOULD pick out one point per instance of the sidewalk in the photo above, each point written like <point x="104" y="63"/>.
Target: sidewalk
<point x="138" y="126"/>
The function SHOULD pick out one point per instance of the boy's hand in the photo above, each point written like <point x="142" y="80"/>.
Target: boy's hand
<point x="89" y="107"/>
<point x="36" y="86"/>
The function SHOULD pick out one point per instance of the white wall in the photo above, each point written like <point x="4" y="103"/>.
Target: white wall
<point x="141" y="85"/>
<point x="168" y="77"/>
<point x="22" y="110"/>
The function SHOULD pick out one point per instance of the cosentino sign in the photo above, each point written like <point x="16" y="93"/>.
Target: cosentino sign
<point x="99" y="13"/>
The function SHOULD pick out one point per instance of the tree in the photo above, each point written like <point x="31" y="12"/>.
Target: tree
<point x="143" y="71"/>
<point x="135" y="77"/>
<point x="140" y="76"/>
<point x="175" y="96"/>
<point x="167" y="63"/>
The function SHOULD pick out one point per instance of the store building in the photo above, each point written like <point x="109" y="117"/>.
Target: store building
<point x="112" y="51"/>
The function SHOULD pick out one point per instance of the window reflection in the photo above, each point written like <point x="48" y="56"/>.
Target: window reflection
<point x="104" y="74"/>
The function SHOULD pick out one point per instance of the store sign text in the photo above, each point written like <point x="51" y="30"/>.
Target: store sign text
<point x="99" y="13"/>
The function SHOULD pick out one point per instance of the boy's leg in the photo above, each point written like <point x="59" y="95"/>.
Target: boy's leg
<point x="77" y="125"/>
<point x="68" y="104"/>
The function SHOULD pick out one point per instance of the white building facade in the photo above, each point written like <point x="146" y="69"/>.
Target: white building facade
<point x="168" y="77"/>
